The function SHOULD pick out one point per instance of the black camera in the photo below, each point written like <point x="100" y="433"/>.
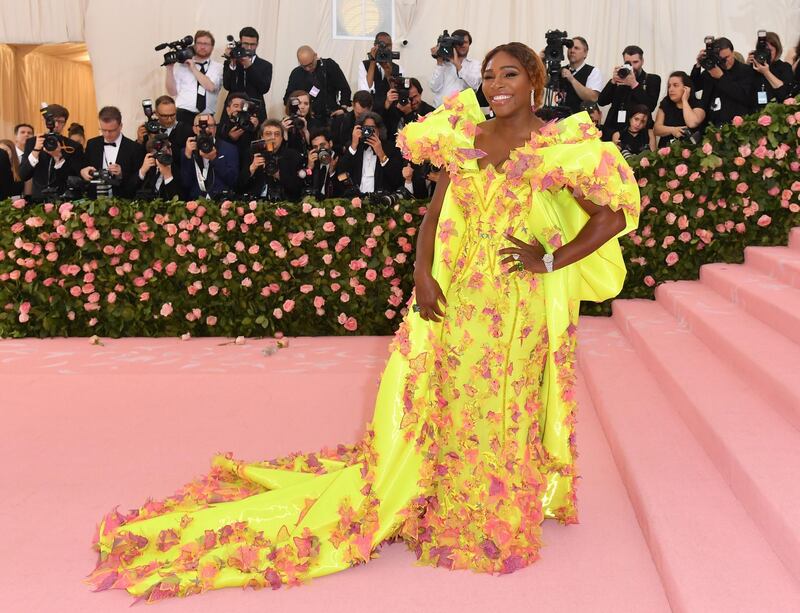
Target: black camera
<point x="161" y="148"/>
<point x="762" y="54"/>
<point x="241" y="119"/>
<point x="180" y="51"/>
<point x="102" y="176"/>
<point x="384" y="53"/>
<point x="366" y="133"/>
<point x="205" y="140"/>
<point x="51" y="138"/>
<point x="556" y="40"/>
<point x="624" y="70"/>
<point x="151" y="125"/>
<point x="402" y="86"/>
<point x="385" y="197"/>
<point x="711" y="59"/>
<point x="298" y="123"/>
<point x="446" y="45"/>
<point x="324" y="156"/>
<point x="236" y="50"/>
<point x="267" y="151"/>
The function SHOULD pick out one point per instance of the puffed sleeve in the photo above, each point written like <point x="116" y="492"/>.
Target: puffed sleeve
<point x="445" y="136"/>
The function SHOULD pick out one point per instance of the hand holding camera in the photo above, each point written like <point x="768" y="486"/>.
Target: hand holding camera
<point x="258" y="162"/>
<point x="391" y="98"/>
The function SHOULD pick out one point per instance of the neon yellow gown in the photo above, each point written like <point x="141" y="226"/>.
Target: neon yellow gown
<point x="471" y="444"/>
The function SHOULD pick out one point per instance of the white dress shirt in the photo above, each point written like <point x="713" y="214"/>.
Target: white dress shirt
<point x="368" y="165"/>
<point x="187" y="87"/>
<point x="362" y="77"/>
<point x="20" y="153"/>
<point x="595" y="79"/>
<point x="446" y="80"/>
<point x="110" y="153"/>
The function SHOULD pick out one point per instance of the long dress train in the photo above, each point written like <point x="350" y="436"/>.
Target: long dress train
<point x="471" y="444"/>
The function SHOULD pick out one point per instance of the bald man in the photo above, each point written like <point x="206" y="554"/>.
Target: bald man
<point x="323" y="80"/>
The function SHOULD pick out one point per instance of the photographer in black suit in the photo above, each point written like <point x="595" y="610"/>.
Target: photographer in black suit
<point x="324" y="81"/>
<point x="156" y="177"/>
<point x="49" y="159"/>
<point x="272" y="169"/>
<point x="726" y="83"/>
<point x="375" y="73"/>
<point x="629" y="86"/>
<point x="177" y="131"/>
<point x="322" y="162"/>
<point x="117" y="155"/>
<point x="342" y="125"/>
<point x="250" y="74"/>
<point x="403" y="105"/>
<point x="239" y="123"/>
<point x="773" y="78"/>
<point x="373" y="165"/>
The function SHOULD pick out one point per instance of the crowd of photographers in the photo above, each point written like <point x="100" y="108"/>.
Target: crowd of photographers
<point x="334" y="143"/>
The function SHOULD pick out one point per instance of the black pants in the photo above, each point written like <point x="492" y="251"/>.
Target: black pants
<point x="186" y="117"/>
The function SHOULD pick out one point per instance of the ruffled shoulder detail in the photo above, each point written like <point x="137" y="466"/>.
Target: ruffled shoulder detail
<point x="446" y="135"/>
<point x="569" y="154"/>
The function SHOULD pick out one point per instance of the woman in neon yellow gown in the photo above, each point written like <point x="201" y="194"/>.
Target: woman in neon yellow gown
<point x="471" y="445"/>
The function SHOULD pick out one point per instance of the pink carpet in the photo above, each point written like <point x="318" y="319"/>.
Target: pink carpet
<point x="688" y="433"/>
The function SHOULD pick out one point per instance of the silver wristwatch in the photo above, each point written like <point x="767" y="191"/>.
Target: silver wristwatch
<point x="547" y="258"/>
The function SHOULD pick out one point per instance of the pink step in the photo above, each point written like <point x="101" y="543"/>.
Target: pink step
<point x="781" y="263"/>
<point x="773" y="302"/>
<point x="753" y="447"/>
<point x="758" y="353"/>
<point x="711" y="556"/>
<point x="794" y="238"/>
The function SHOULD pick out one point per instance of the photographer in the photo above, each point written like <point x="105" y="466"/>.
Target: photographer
<point x="299" y="122"/>
<point x="272" y="169"/>
<point x="370" y="167"/>
<point x="375" y="73"/>
<point x="165" y="115"/>
<point x="322" y="162"/>
<point x="48" y="159"/>
<point x="211" y="165"/>
<point x="323" y="80"/>
<point x="456" y="73"/>
<point x="239" y="124"/>
<point x="117" y="155"/>
<point x="195" y="84"/>
<point x="156" y="178"/>
<point x="629" y="86"/>
<point x="249" y="74"/>
<point x="404" y="105"/>
<point x="342" y="125"/>
<point x="581" y="82"/>
<point x="726" y="84"/>
<point x="22" y="132"/>
<point x="680" y="114"/>
<point x="76" y="133"/>
<point x="773" y="79"/>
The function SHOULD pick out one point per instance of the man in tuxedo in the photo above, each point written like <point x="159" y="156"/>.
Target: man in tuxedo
<point x="372" y="164"/>
<point x="177" y="131"/>
<point x="207" y="174"/>
<point x="342" y="125"/>
<point x="235" y="135"/>
<point x="324" y="81"/>
<point x="49" y="170"/>
<point x="251" y="75"/>
<point x="117" y="154"/>
<point x="22" y="132"/>
<point x="156" y="177"/>
<point x="374" y="76"/>
<point x="398" y="113"/>
<point x="272" y="167"/>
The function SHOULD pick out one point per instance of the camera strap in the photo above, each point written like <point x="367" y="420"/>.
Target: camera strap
<point x="202" y="175"/>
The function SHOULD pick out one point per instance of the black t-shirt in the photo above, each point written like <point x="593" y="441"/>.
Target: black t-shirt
<point x="635" y="143"/>
<point x="673" y="116"/>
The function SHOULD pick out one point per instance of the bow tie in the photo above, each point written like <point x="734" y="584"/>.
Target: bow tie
<point x="110" y="144"/>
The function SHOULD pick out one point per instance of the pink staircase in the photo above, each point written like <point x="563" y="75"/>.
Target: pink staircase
<point x="699" y="396"/>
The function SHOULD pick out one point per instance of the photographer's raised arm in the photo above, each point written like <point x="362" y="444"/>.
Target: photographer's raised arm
<point x="169" y="81"/>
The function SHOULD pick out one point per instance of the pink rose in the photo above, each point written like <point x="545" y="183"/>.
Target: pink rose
<point x="737" y="121"/>
<point x="742" y="187"/>
<point x="764" y="221"/>
<point x="250" y="219"/>
<point x="166" y="309"/>
<point x="277" y="313"/>
<point x="306" y="289"/>
<point x="211" y="320"/>
<point x="671" y="217"/>
<point x="649" y="281"/>
<point x="764" y="120"/>
<point x="288" y="305"/>
<point x="356" y="202"/>
<point x="339" y="211"/>
<point x="672" y="258"/>
<point x="351" y="324"/>
<point x="707" y="148"/>
<point x="683" y="222"/>
<point x="319" y="302"/>
<point x="371" y="275"/>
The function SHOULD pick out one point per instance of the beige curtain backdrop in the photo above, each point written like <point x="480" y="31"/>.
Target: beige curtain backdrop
<point x="32" y="74"/>
<point x="120" y="35"/>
